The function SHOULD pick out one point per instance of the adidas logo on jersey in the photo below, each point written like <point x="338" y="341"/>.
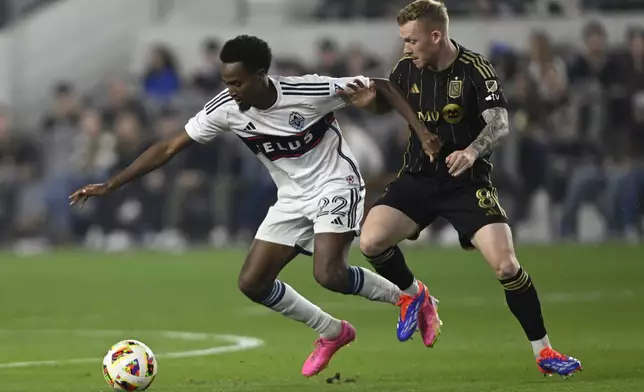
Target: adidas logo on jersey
<point x="250" y="127"/>
<point x="337" y="221"/>
<point x="414" y="89"/>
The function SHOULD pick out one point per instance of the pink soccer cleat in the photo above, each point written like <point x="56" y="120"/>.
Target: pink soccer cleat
<point x="325" y="349"/>
<point x="429" y="324"/>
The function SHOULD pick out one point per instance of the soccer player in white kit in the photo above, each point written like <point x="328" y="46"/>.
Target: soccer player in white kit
<point x="288" y="123"/>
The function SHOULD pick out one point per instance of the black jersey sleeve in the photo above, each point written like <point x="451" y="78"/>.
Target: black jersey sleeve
<point x="489" y="91"/>
<point x="400" y="73"/>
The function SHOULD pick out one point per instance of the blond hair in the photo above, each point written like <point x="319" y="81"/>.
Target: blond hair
<point x="432" y="11"/>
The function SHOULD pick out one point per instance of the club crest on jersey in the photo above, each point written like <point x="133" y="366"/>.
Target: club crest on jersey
<point x="455" y="89"/>
<point x="296" y="120"/>
<point x="491" y="86"/>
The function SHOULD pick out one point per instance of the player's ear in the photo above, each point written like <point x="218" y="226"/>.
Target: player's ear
<point x="436" y="36"/>
<point x="261" y="73"/>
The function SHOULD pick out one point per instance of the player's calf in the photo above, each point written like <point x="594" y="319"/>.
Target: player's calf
<point x="283" y="299"/>
<point x="255" y="289"/>
<point x="332" y="272"/>
<point x="383" y="229"/>
<point x="495" y="243"/>
<point x="337" y="277"/>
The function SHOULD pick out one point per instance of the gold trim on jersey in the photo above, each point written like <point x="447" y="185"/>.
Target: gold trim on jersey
<point x="405" y="57"/>
<point x="480" y="64"/>
<point x="407" y="152"/>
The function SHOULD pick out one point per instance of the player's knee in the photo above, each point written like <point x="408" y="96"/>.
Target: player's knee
<point x="332" y="278"/>
<point x="505" y="265"/>
<point x="373" y="244"/>
<point x="253" y="288"/>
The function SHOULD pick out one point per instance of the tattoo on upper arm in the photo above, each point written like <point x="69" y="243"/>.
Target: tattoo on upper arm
<point x="490" y="137"/>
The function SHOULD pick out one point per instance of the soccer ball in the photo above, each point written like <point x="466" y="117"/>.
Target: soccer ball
<point x="129" y="366"/>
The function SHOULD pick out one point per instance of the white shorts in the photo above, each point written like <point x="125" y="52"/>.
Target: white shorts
<point x="339" y="208"/>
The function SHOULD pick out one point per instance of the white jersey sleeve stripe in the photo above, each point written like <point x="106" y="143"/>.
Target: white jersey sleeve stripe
<point x="303" y="84"/>
<point x="307" y="93"/>
<point x="316" y="88"/>
<point x="217" y="105"/>
<point x="217" y="98"/>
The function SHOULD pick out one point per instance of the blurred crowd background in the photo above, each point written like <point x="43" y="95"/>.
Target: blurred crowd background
<point x="572" y="168"/>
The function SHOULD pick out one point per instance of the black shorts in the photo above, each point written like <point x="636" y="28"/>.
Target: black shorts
<point x="468" y="206"/>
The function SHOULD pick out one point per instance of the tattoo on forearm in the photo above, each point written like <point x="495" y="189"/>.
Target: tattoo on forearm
<point x="490" y="137"/>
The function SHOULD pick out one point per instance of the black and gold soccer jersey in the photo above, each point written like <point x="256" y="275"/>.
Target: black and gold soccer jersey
<point x="450" y="103"/>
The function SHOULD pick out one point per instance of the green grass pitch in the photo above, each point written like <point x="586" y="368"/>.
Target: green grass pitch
<point x="75" y="305"/>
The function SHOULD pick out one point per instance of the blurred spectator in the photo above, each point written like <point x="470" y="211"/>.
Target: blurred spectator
<point x="594" y="61"/>
<point x="505" y="60"/>
<point x="93" y="148"/>
<point x="288" y="67"/>
<point x="359" y="62"/>
<point x="349" y="9"/>
<point x="19" y="168"/>
<point x="546" y="68"/>
<point x="120" y="99"/>
<point x="91" y="154"/>
<point x="207" y="79"/>
<point x="612" y="180"/>
<point x="189" y="204"/>
<point x="330" y="61"/>
<point x="161" y="81"/>
<point x="122" y="216"/>
<point x="526" y="114"/>
<point x="60" y="128"/>
<point x="631" y="188"/>
<point x="66" y="108"/>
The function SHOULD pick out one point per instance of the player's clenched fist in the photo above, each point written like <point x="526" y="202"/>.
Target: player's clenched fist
<point x="431" y="145"/>
<point x="81" y="195"/>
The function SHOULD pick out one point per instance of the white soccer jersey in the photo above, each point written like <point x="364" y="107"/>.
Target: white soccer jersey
<point x="298" y="138"/>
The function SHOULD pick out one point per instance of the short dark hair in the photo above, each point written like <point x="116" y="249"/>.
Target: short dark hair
<point x="433" y="11"/>
<point x="253" y="52"/>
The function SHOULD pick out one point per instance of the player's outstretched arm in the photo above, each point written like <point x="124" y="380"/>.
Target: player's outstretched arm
<point x="154" y="157"/>
<point x="368" y="97"/>
<point x="396" y="99"/>
<point x="490" y="137"/>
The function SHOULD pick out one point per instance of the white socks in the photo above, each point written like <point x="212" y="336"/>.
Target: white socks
<point x="365" y="283"/>
<point x="290" y="303"/>
<point x="539" y="345"/>
<point x="372" y="286"/>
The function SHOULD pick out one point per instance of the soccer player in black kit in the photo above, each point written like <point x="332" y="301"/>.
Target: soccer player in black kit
<point x="459" y="97"/>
